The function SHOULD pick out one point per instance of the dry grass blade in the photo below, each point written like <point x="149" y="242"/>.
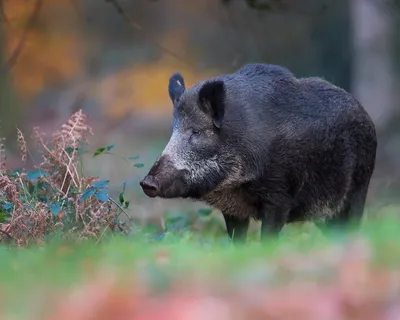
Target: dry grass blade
<point x="3" y="157"/>
<point x="22" y="146"/>
<point x="9" y="189"/>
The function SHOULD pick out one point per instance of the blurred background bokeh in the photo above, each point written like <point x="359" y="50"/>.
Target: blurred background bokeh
<point x="114" y="59"/>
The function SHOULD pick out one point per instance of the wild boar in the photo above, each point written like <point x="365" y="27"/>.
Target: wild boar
<point x="260" y="143"/>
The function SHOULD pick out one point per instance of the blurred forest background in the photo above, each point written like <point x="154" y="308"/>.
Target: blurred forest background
<point x="114" y="59"/>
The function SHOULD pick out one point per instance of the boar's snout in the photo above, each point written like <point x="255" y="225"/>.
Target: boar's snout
<point x="164" y="180"/>
<point x="149" y="186"/>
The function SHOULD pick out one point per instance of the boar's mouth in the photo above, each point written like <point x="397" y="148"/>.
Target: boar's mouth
<point x="164" y="181"/>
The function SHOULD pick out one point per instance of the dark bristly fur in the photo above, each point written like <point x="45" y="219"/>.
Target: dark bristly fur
<point x="260" y="143"/>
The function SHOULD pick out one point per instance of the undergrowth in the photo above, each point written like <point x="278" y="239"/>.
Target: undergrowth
<point x="56" y="198"/>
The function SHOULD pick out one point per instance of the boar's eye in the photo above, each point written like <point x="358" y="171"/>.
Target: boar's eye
<point x="195" y="132"/>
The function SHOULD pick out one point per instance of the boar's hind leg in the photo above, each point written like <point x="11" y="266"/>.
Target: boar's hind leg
<point x="236" y="227"/>
<point x="349" y="217"/>
<point x="272" y="224"/>
<point x="273" y="219"/>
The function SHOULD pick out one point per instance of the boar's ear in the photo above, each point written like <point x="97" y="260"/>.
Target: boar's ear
<point x="176" y="86"/>
<point x="211" y="97"/>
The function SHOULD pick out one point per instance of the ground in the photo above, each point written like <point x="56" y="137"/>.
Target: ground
<point x="197" y="276"/>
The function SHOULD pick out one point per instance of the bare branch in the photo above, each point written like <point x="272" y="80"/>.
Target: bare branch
<point x="77" y="8"/>
<point x="29" y="25"/>
<point x="3" y="16"/>
<point x="138" y="27"/>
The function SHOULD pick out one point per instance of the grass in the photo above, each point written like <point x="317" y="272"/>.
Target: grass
<point x="37" y="281"/>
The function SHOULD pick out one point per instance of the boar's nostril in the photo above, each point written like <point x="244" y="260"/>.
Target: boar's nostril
<point x="149" y="187"/>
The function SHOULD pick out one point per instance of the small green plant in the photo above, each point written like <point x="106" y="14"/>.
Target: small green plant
<point x="56" y="198"/>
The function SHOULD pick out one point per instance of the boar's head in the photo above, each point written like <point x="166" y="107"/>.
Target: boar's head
<point x="191" y="164"/>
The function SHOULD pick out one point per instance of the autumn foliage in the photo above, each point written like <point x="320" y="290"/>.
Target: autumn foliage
<point x="56" y="196"/>
<point x="55" y="53"/>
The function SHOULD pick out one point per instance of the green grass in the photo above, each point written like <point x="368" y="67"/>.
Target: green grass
<point x="35" y="273"/>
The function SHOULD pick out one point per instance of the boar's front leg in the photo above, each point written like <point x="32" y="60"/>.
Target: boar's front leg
<point x="236" y="227"/>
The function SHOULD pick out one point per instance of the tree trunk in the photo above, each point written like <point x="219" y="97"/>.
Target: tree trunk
<point x="10" y="108"/>
<point x="373" y="69"/>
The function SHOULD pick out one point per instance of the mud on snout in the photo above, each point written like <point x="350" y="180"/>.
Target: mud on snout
<point x="164" y="180"/>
